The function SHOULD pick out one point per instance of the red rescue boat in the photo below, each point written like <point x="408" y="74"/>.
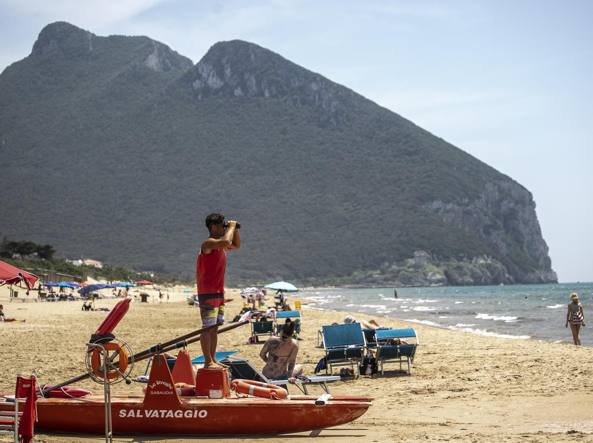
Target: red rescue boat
<point x="163" y="411"/>
<point x="211" y="407"/>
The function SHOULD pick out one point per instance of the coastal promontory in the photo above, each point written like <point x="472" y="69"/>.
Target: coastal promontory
<point x="117" y="148"/>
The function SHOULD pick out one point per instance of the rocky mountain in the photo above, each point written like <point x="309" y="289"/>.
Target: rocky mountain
<point x="118" y="147"/>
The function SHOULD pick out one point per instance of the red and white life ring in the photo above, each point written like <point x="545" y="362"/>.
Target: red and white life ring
<point x="259" y="389"/>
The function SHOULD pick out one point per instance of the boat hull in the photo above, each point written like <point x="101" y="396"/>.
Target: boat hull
<point x="197" y="416"/>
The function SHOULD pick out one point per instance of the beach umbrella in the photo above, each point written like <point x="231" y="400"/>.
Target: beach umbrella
<point x="91" y="288"/>
<point x="62" y="284"/>
<point x="143" y="282"/>
<point x="10" y="275"/>
<point x="282" y="286"/>
<point x="73" y="285"/>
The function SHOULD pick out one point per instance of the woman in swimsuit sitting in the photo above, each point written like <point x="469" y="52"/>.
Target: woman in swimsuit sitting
<point x="280" y="354"/>
<point x="575" y="317"/>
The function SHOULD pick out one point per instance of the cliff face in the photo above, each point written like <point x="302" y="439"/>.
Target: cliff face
<point x="329" y="186"/>
<point x="504" y="217"/>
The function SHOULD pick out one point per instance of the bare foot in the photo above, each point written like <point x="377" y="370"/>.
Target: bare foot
<point x="222" y="365"/>
<point x="214" y="365"/>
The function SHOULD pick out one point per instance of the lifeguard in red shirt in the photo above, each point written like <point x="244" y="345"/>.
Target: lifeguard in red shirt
<point x="210" y="269"/>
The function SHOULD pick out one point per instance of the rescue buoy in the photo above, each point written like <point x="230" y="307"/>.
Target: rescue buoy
<point x="259" y="389"/>
<point x="65" y="392"/>
<point x="114" y="370"/>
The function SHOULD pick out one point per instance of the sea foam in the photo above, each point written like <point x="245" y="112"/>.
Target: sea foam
<point x="490" y="334"/>
<point x="504" y="318"/>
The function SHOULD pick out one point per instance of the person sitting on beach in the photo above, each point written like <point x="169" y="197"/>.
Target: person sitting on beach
<point x="280" y="353"/>
<point x="280" y="302"/>
<point x="576" y="317"/>
<point x="371" y="324"/>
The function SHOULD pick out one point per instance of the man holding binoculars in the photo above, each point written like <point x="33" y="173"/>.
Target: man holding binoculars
<point x="210" y="268"/>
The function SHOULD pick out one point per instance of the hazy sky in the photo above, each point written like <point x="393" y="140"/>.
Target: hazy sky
<point x="510" y="82"/>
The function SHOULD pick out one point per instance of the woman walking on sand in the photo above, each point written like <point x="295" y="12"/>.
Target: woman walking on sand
<point x="576" y="317"/>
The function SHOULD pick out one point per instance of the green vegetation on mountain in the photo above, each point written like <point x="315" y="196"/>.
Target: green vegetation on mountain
<point x="118" y="147"/>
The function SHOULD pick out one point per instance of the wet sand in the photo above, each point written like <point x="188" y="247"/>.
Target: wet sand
<point x="463" y="387"/>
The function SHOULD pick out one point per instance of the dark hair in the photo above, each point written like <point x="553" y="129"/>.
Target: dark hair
<point x="288" y="328"/>
<point x="214" y="219"/>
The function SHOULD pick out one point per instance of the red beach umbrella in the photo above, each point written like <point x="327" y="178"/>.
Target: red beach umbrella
<point x="10" y="275"/>
<point x="143" y="282"/>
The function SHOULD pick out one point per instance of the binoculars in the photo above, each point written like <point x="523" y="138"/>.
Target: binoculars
<point x="226" y="225"/>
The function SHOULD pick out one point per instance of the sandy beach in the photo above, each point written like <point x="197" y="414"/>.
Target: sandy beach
<point x="463" y="387"/>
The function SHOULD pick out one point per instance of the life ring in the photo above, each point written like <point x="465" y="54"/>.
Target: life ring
<point x="259" y="389"/>
<point x="113" y="371"/>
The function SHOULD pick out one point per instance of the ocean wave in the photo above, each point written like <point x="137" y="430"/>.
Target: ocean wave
<point x="425" y="300"/>
<point x="504" y="318"/>
<point x="457" y="302"/>
<point x="555" y="306"/>
<point x="489" y="334"/>
<point x="423" y="309"/>
<point x="353" y="305"/>
<point x="319" y="301"/>
<point x="464" y="325"/>
<point x="423" y="322"/>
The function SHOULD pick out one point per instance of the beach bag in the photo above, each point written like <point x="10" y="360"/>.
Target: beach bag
<point x="346" y="374"/>
<point x="369" y="366"/>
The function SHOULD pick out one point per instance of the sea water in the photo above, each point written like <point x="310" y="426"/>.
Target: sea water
<point x="511" y="311"/>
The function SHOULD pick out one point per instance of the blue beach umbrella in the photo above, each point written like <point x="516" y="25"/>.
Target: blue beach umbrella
<point x="282" y="286"/>
<point x="92" y="288"/>
<point x="62" y="284"/>
<point x="69" y="284"/>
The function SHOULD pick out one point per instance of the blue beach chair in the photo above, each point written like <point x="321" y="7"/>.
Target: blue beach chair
<point x="391" y="348"/>
<point x="265" y="327"/>
<point x="283" y="315"/>
<point x="344" y="345"/>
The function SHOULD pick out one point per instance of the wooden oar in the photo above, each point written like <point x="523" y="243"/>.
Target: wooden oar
<point x="178" y="342"/>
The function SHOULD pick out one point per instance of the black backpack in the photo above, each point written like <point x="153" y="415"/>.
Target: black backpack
<point x="369" y="363"/>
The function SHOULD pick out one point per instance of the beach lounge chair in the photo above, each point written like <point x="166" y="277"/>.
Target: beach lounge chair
<point x="388" y="350"/>
<point x="241" y="368"/>
<point x="265" y="327"/>
<point x="344" y="345"/>
<point x="281" y="317"/>
<point x="370" y="337"/>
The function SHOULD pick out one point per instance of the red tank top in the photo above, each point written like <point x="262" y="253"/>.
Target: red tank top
<point x="210" y="272"/>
